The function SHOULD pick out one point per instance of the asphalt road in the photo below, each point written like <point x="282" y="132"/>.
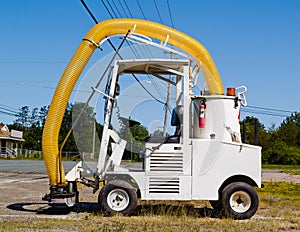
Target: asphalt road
<point x="38" y="166"/>
<point x="28" y="166"/>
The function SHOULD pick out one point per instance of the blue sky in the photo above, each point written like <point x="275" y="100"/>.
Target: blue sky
<point x="253" y="43"/>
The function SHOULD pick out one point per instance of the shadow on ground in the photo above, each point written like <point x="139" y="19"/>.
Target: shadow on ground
<point x="141" y="210"/>
<point x="176" y="210"/>
<point x="40" y="208"/>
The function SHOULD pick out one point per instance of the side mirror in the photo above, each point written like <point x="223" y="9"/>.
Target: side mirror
<point x="117" y="89"/>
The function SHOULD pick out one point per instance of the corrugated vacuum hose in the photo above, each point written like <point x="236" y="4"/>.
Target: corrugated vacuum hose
<point x="79" y="61"/>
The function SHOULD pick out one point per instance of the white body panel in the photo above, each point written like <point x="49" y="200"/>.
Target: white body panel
<point x="75" y="173"/>
<point x="212" y="163"/>
<point x="168" y="172"/>
<point x="194" y="166"/>
<point x="216" y="161"/>
<point x="221" y="118"/>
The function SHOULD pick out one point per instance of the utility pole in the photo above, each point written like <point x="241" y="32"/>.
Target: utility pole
<point x="167" y="109"/>
<point x="94" y="139"/>
<point x="167" y="104"/>
<point x="244" y="132"/>
<point x="256" y="131"/>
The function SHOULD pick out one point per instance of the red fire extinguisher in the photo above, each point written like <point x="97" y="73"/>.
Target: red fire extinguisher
<point x="202" y="116"/>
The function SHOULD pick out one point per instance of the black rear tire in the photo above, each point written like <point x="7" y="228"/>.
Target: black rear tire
<point x="239" y="200"/>
<point x="117" y="198"/>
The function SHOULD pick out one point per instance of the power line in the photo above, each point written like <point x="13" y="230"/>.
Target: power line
<point x="7" y="113"/>
<point x="158" y="12"/>
<point x="132" y="48"/>
<point x="139" y="5"/>
<point x="9" y="107"/>
<point x="33" y="62"/>
<point x="271" y="109"/>
<point x="46" y="87"/>
<point x="135" y="77"/>
<point x="111" y="44"/>
<point x="156" y="86"/>
<point x="113" y="2"/>
<point x="112" y="9"/>
<point x="9" y="110"/>
<point x="147" y="50"/>
<point x="171" y="18"/>
<point x="107" y="9"/>
<point x="128" y="9"/>
<point x="120" y="3"/>
<point x="88" y="10"/>
<point x="264" y="113"/>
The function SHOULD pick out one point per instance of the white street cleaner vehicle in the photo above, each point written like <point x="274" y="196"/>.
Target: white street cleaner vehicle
<point x="204" y="159"/>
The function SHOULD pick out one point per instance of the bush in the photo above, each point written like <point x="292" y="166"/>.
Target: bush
<point x="35" y="155"/>
<point x="281" y="153"/>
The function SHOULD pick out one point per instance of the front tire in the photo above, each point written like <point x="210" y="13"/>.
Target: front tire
<point x="115" y="199"/>
<point x="239" y="200"/>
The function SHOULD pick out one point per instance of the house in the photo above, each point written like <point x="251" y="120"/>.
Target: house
<point x="10" y="141"/>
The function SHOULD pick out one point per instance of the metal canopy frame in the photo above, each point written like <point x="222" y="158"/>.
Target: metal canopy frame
<point x="155" y="67"/>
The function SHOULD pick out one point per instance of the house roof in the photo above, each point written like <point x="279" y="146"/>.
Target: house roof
<point x="6" y="134"/>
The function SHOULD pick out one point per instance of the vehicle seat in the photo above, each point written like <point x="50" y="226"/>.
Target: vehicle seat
<point x="176" y="120"/>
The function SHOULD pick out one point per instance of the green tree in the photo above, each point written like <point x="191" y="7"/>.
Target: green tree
<point x="281" y="153"/>
<point x="134" y="136"/>
<point x="84" y="117"/>
<point x="43" y="114"/>
<point x="283" y="142"/>
<point x="29" y="123"/>
<point x="250" y="129"/>
<point x="157" y="133"/>
<point x="265" y="138"/>
<point x="139" y="132"/>
<point x="34" y="118"/>
<point x="23" y="117"/>
<point x="66" y="125"/>
<point x="289" y="130"/>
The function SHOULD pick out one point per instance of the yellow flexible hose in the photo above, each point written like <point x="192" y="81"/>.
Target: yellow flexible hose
<point x="79" y="61"/>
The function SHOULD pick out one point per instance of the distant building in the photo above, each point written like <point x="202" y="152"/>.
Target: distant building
<point x="10" y="141"/>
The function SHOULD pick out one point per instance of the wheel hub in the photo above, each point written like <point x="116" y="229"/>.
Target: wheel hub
<point x="118" y="199"/>
<point x="240" y="201"/>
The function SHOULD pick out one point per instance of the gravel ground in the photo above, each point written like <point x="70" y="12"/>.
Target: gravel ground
<point x="21" y="195"/>
<point x="279" y="176"/>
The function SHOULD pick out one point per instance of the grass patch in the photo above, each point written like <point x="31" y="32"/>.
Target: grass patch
<point x="289" y="169"/>
<point x="294" y="172"/>
<point x="279" y="210"/>
<point x="281" y="167"/>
